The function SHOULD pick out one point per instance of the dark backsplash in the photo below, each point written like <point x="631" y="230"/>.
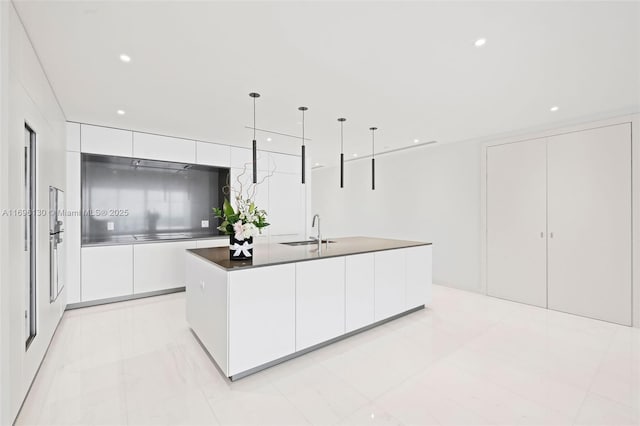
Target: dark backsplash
<point x="148" y="198"/>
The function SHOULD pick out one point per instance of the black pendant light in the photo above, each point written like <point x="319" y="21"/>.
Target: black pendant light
<point x="255" y="145"/>
<point x="303" y="109"/>
<point x="373" y="160"/>
<point x="342" y="120"/>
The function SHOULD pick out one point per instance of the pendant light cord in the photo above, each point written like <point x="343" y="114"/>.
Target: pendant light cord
<point x="254" y="118"/>
<point x="341" y="137"/>
<point x="303" y="127"/>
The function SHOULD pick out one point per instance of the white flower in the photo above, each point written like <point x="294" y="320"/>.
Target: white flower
<point x="239" y="230"/>
<point x="249" y="230"/>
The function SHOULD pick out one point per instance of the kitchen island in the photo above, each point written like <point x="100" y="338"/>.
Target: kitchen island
<point x="289" y="300"/>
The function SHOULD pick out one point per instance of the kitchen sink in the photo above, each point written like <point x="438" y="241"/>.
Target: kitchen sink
<point x="306" y="242"/>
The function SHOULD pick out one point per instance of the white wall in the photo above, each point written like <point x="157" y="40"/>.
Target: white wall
<point x="4" y="243"/>
<point x="429" y="193"/>
<point x="29" y="98"/>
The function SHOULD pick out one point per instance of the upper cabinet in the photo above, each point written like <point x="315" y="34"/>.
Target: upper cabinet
<point x="241" y="157"/>
<point x="155" y="147"/>
<point x="286" y="205"/>
<point x="284" y="163"/>
<point x="73" y="137"/>
<point x="213" y="154"/>
<point x="106" y="141"/>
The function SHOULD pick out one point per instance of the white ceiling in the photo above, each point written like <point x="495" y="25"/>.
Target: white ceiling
<point x="409" y="68"/>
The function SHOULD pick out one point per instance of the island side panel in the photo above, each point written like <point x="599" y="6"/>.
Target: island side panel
<point x="418" y="260"/>
<point x="206" y="306"/>
<point x="261" y="316"/>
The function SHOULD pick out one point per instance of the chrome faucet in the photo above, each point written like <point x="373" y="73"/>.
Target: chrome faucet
<point x="313" y="223"/>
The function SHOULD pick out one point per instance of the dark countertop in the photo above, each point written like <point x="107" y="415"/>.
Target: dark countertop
<point x="268" y="254"/>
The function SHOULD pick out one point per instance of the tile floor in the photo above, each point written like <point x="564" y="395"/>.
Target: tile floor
<point x="469" y="360"/>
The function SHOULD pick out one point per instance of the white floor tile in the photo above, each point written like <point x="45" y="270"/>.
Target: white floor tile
<point x="466" y="360"/>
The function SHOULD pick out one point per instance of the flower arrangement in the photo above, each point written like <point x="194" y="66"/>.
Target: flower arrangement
<point x="246" y="220"/>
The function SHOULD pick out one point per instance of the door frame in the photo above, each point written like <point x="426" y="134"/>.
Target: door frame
<point x="634" y="119"/>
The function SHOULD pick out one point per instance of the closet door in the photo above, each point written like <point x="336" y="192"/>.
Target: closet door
<point x="516" y="222"/>
<point x="590" y="223"/>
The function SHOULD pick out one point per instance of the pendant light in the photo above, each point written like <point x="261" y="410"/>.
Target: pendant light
<point x="373" y="160"/>
<point x="303" y="109"/>
<point x="255" y="145"/>
<point x="342" y="120"/>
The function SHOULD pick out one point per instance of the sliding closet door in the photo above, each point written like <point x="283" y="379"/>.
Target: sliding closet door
<point x="590" y="223"/>
<point x="516" y="222"/>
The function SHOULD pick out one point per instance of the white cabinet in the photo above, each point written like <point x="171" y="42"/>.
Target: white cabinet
<point x="418" y="279"/>
<point x="390" y="279"/>
<point x="107" y="272"/>
<point x="590" y="223"/>
<point x="286" y="205"/>
<point x="320" y="301"/>
<point x="243" y="158"/>
<point x="72" y="233"/>
<point x="159" y="266"/>
<point x="284" y="163"/>
<point x="517" y="222"/>
<point x="206" y="305"/>
<point x="73" y="137"/>
<point x="106" y="141"/>
<point x="213" y="154"/>
<point x="213" y="242"/>
<point x="261" y="316"/>
<point x="281" y="195"/>
<point x="164" y="148"/>
<point x="359" y="291"/>
<point x="242" y="180"/>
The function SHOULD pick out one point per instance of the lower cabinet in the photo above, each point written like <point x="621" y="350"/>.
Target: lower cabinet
<point x="390" y="289"/>
<point x="206" y="305"/>
<point x="247" y="318"/>
<point x="107" y="272"/>
<point x="320" y="300"/>
<point x="159" y="266"/>
<point x="359" y="291"/>
<point x="262" y="305"/>
<point x="418" y="284"/>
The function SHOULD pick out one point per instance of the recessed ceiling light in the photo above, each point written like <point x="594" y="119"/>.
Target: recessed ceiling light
<point x="416" y="140"/>
<point x="125" y="58"/>
<point x="317" y="164"/>
<point x="480" y="42"/>
<point x="355" y="155"/>
<point x="554" y="108"/>
<point x="120" y="112"/>
<point x="268" y="139"/>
